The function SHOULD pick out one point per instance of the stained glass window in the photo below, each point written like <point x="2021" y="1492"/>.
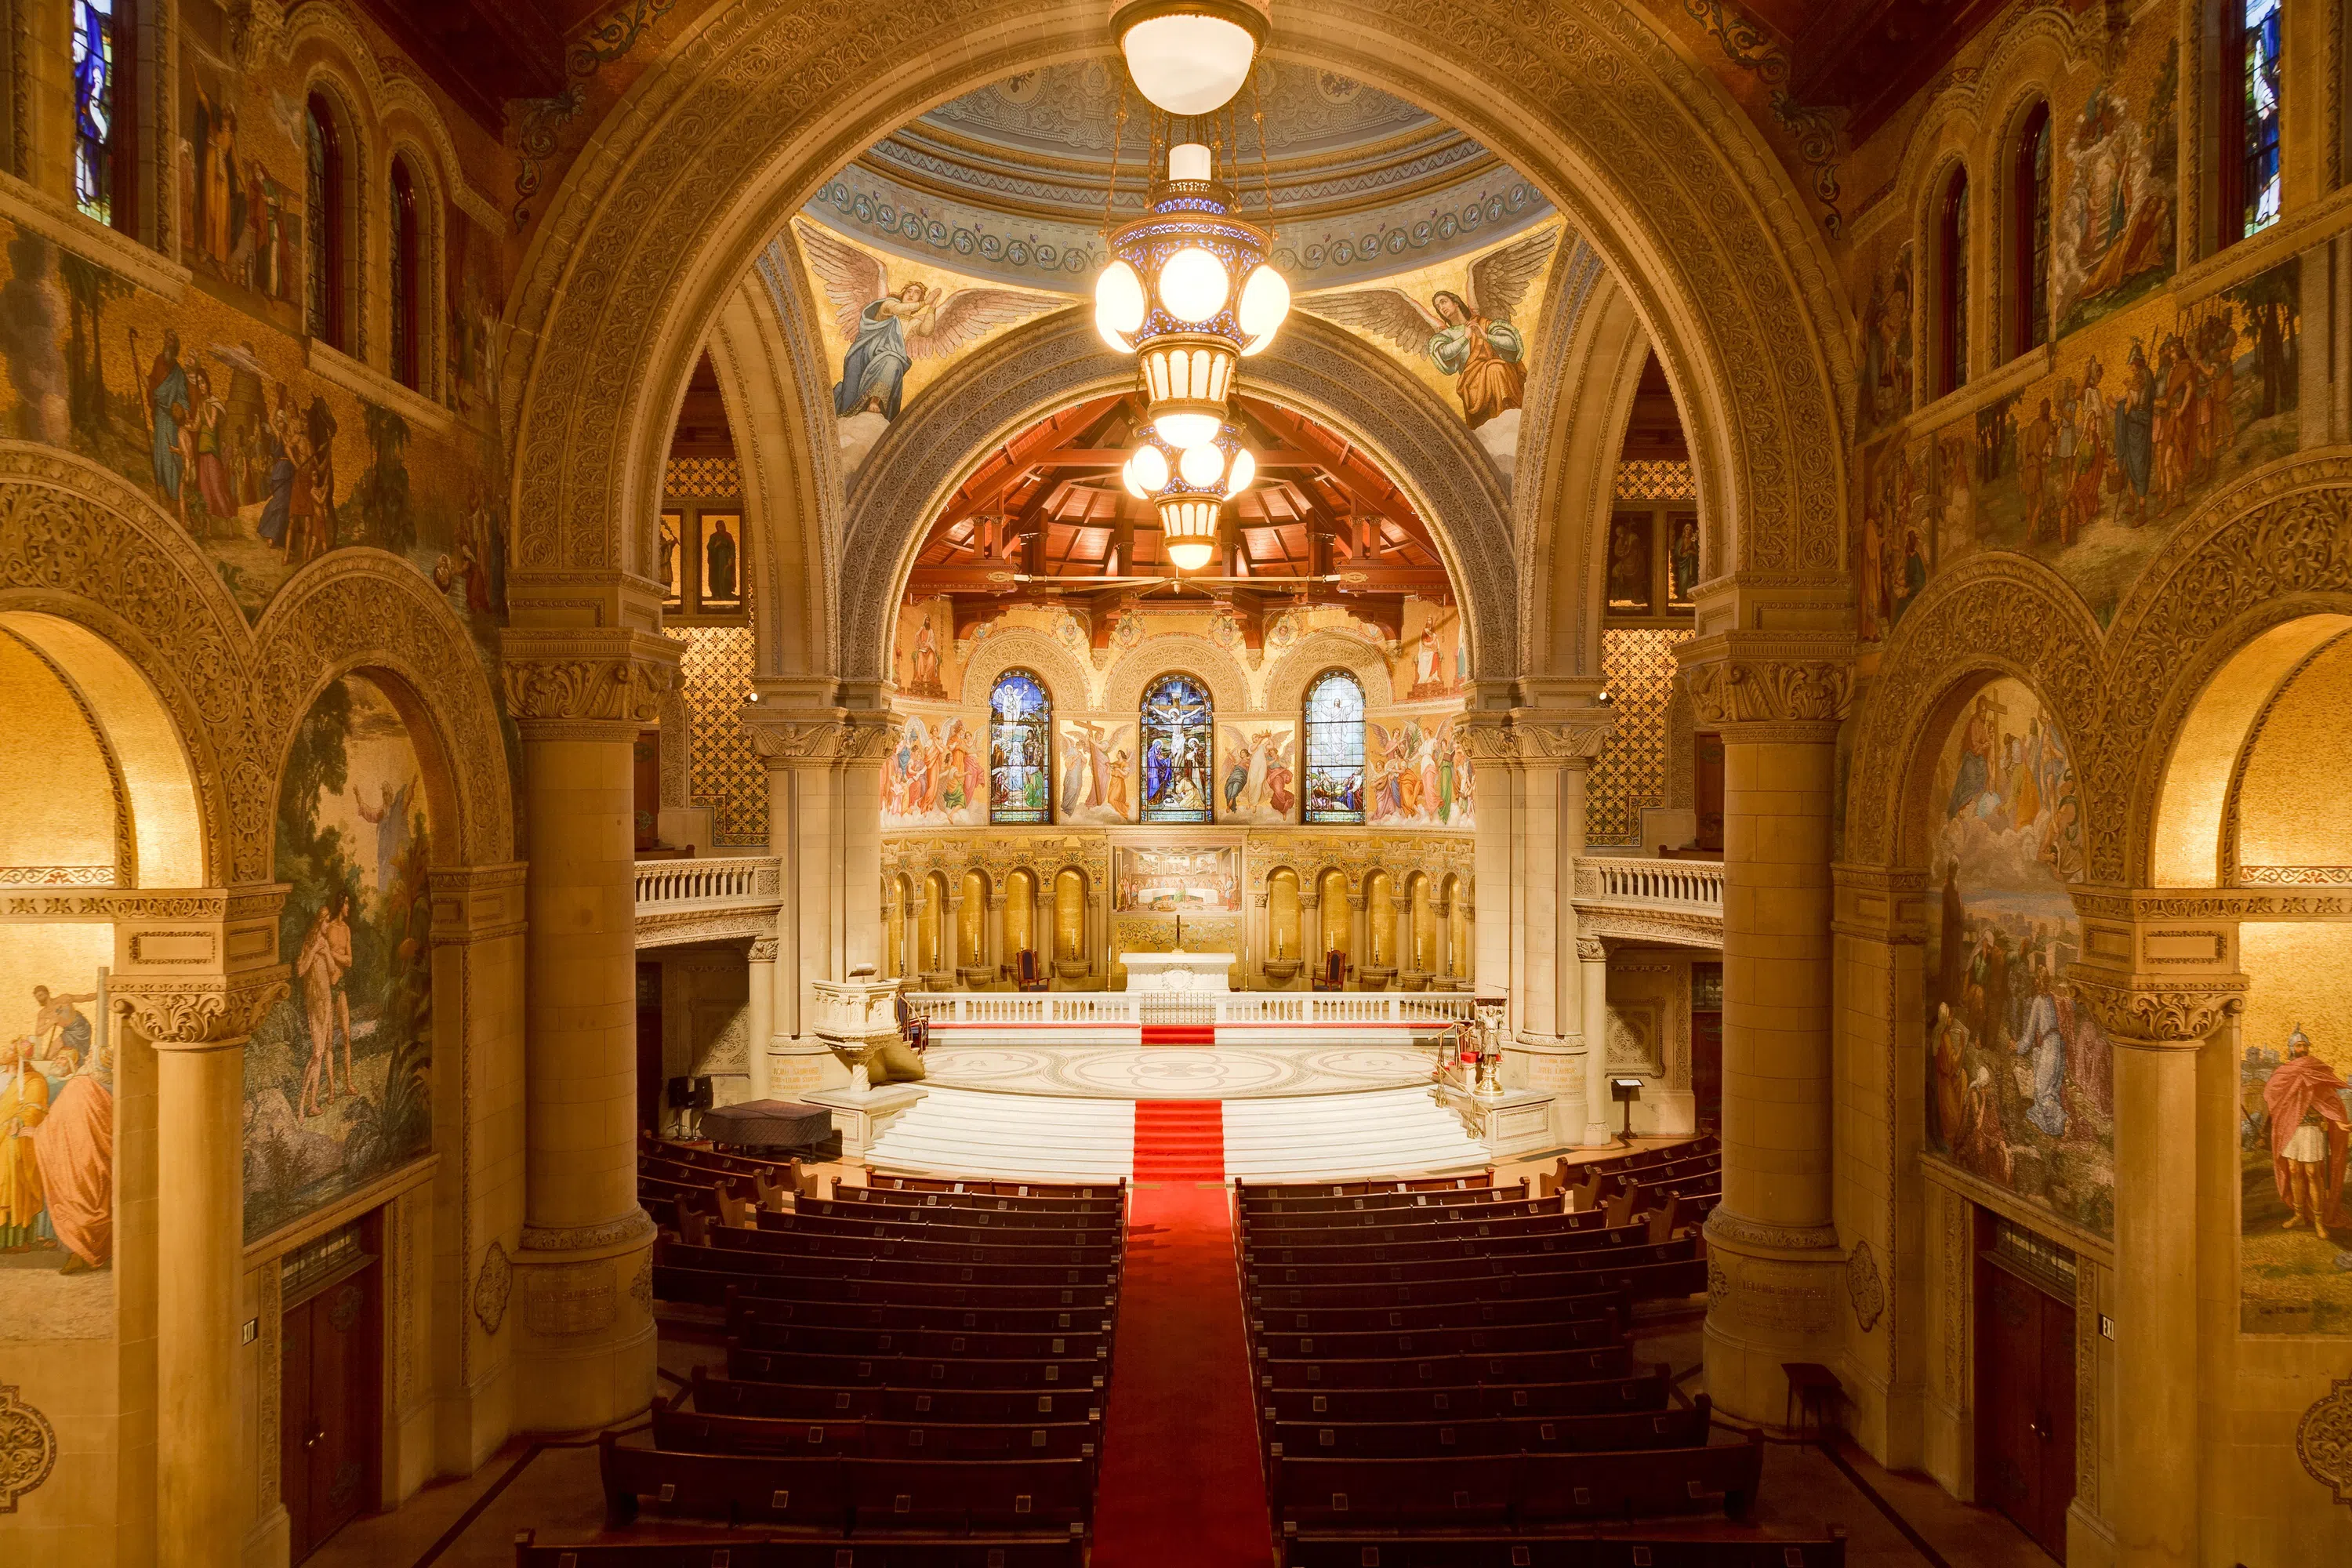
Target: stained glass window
<point x="1334" y="749"/>
<point x="2259" y="55"/>
<point x="94" y="68"/>
<point x="1953" y="245"/>
<point x="1020" y="736"/>
<point x="406" y="361"/>
<point x="2032" y="238"/>
<point x="322" y="223"/>
<point x="1176" y="717"/>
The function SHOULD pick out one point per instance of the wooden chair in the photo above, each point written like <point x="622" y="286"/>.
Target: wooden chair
<point x="916" y="1032"/>
<point x="1334" y="976"/>
<point x="1028" y="975"/>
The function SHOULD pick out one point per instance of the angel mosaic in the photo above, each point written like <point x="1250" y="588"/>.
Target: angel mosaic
<point x="1471" y="340"/>
<point x="888" y="329"/>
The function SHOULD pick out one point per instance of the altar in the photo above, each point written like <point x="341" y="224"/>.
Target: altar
<point x="1177" y="971"/>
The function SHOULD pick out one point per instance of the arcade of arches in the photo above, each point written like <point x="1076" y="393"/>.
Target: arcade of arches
<point x="554" y="556"/>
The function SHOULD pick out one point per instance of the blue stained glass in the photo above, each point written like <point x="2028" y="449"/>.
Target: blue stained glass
<point x="93" y="74"/>
<point x="2264" y="77"/>
<point x="1334" y="749"/>
<point x="1176" y="716"/>
<point x="1019" y="740"/>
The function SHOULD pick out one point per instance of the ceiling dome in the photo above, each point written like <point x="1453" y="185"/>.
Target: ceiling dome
<point x="1008" y="180"/>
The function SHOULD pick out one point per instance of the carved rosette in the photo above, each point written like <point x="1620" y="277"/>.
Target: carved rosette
<point x="1804" y="697"/>
<point x="2323" y="1440"/>
<point x="587" y="684"/>
<point x="493" y="1287"/>
<point x="2161" y="1013"/>
<point x="1863" y="1284"/>
<point x="28" y="1447"/>
<point x="817" y="736"/>
<point x="198" y="1014"/>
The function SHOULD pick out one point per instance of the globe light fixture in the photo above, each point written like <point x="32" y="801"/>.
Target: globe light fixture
<point x="1169" y="297"/>
<point x="1189" y="56"/>
<point x="1188" y="485"/>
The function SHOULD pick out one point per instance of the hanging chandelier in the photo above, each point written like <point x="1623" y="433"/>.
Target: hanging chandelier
<point x="1188" y="485"/>
<point x="1189" y="56"/>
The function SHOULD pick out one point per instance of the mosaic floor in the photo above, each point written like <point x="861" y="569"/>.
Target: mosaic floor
<point x="1178" y="1072"/>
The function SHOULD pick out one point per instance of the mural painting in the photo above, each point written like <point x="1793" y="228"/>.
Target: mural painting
<point x="926" y="662"/>
<point x="2113" y="218"/>
<point x="57" y="1154"/>
<point x="1258" y="772"/>
<point x="219" y="420"/>
<point x="2088" y="469"/>
<point x="1419" y="775"/>
<point x="1435" y="662"/>
<point x="936" y="776"/>
<point x="2294" y="1131"/>
<point x="1097" y="771"/>
<point x="896" y="322"/>
<point x="1176" y="880"/>
<point x="2021" y="1078"/>
<point x="1630" y="590"/>
<point x="1463" y="326"/>
<point x="241" y="165"/>
<point x="1882" y="391"/>
<point x="337" y="1075"/>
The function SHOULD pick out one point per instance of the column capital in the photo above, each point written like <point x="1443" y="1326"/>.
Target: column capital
<point x="763" y="950"/>
<point x="1555" y="736"/>
<point x="1589" y="950"/>
<point x="2153" y="972"/>
<point x="2158" y="1011"/>
<point x="198" y="1012"/>
<point x="598" y="684"/>
<point x="1771" y="688"/>
<point x="791" y="737"/>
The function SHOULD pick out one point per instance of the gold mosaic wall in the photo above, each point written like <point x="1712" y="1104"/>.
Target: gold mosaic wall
<point x="709" y="476"/>
<point x="1663" y="480"/>
<point x="725" y="774"/>
<point x="1631" y="771"/>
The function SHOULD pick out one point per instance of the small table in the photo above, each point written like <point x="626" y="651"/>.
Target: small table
<point x="1811" y="1386"/>
<point x="767" y="1124"/>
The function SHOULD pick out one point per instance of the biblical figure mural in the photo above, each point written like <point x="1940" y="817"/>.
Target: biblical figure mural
<point x="2020" y="1077"/>
<point x="337" y="1078"/>
<point x="936" y="776"/>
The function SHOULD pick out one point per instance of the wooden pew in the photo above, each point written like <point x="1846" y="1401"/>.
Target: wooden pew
<point x="696" y="1431"/>
<point x="1431" y="1269"/>
<point x="1346" y="1197"/>
<point x="1492" y="1435"/>
<point x="1442" y="1315"/>
<point x="814" y="1244"/>
<point x="853" y="1495"/>
<point x="730" y="1397"/>
<point x="1641" y="1282"/>
<point x="1575" y="1333"/>
<point x="941" y="1224"/>
<point x="931" y="1344"/>
<point x="743" y="1310"/>
<point x="908" y="1372"/>
<point x="1092" y="1190"/>
<point x="892" y="1198"/>
<point x="1440" y="1370"/>
<point x="1524" y="1491"/>
<point x="1068" y="1549"/>
<point x="1457" y="1550"/>
<point x="980" y="1213"/>
<point x="1648" y="1390"/>
<point x="1374" y="1186"/>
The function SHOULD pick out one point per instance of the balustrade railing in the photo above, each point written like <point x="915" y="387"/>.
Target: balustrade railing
<point x="1696" y="885"/>
<point x="719" y="881"/>
<point x="1434" y="1009"/>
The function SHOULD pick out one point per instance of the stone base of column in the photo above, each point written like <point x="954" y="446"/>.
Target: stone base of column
<point x="1772" y="1298"/>
<point x="582" y="1306"/>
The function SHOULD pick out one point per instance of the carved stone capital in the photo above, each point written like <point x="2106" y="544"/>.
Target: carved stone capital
<point x="198" y="1012"/>
<point x="1589" y="950"/>
<point x="586" y="685"/>
<point x="1575" y="736"/>
<point x="1487" y="737"/>
<point x="763" y="950"/>
<point x="788" y="736"/>
<point x="2159" y="1011"/>
<point x="1769" y="686"/>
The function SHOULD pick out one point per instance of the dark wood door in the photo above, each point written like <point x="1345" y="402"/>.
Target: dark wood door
<point x="1706" y="1045"/>
<point x="2025" y="1404"/>
<point x="649" y="1048"/>
<point x="1706" y="757"/>
<point x="327" y="1412"/>
<point x="647" y="788"/>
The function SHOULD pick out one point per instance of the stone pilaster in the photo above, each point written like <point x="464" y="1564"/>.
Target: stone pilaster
<point x="193" y="988"/>
<point x="2166" y="991"/>
<point x="1776" y="1269"/>
<point x="479" y="983"/>
<point x="823" y="827"/>
<point x="584" y="1343"/>
<point x="1592" y="1026"/>
<point x="761" y="961"/>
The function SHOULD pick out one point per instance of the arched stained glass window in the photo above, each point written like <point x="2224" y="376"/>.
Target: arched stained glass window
<point x="2031" y="242"/>
<point x="98" y="62"/>
<point x="406" y="280"/>
<point x="1335" y="748"/>
<point x="323" y="221"/>
<point x="1019" y="740"/>
<point x="1176" y="716"/>
<point x="1952" y="285"/>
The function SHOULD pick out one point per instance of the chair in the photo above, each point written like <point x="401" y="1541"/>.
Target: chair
<point x="1028" y="975"/>
<point x="916" y="1032"/>
<point x="1334" y="976"/>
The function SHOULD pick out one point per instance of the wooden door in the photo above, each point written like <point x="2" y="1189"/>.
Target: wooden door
<point x="2025" y="1404"/>
<point x="1706" y="1046"/>
<point x="1706" y="757"/>
<point x="647" y="773"/>
<point x="333" y="1359"/>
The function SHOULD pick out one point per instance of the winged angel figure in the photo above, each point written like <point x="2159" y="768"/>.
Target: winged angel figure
<point x="887" y="330"/>
<point x="1472" y="340"/>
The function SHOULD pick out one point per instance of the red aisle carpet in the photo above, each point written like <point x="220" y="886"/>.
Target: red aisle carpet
<point x="1179" y="1141"/>
<point x="1180" y="1034"/>
<point x="1180" y="1485"/>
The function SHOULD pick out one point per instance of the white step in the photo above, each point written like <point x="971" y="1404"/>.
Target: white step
<point x="967" y="1132"/>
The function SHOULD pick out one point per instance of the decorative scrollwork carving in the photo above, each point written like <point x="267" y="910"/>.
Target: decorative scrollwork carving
<point x="28" y="1447"/>
<point x="1865" y="1286"/>
<point x="612" y="678"/>
<point x="833" y="734"/>
<point x="196" y="1014"/>
<point x="2158" y="1014"/>
<point x="1738" y="691"/>
<point x="493" y="1288"/>
<point x="2323" y="1440"/>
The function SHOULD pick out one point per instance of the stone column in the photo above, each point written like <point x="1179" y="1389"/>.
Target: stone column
<point x="2161" y="1024"/>
<point x="994" y="933"/>
<point x="1493" y="966"/>
<point x="1360" y="951"/>
<point x="1775" y="1265"/>
<point x="584" y="1350"/>
<point x="1592" y="961"/>
<point x="176" y="984"/>
<point x="762" y="1020"/>
<point x="824" y="830"/>
<point x="1441" y="944"/>
<point x="1256" y="939"/>
<point x="1098" y="953"/>
<point x="1310" y="931"/>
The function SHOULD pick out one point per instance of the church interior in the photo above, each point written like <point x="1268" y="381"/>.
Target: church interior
<point x="1307" y="784"/>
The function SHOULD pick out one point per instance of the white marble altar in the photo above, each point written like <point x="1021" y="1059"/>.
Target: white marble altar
<point x="1179" y="971"/>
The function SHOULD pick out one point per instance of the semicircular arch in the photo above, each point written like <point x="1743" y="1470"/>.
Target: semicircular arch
<point x="1284" y="688"/>
<point x="1175" y="653"/>
<point x="1067" y="682"/>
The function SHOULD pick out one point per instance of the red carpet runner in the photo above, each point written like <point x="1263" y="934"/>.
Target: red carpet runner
<point x="1180" y="1034"/>
<point x="1179" y="1141"/>
<point x="1181" y="1486"/>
